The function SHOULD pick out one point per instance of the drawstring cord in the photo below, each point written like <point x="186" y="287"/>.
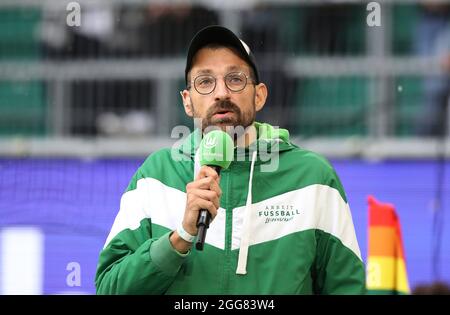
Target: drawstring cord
<point x="245" y="239"/>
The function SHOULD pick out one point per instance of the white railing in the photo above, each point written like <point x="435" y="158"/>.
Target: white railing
<point x="350" y="147"/>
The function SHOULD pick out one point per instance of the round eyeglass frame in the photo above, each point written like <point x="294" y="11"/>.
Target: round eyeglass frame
<point x="247" y="81"/>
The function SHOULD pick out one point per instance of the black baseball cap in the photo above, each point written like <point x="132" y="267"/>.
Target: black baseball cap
<point x="219" y="35"/>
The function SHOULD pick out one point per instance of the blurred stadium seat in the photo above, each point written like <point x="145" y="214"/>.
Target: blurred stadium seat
<point x="33" y="101"/>
<point x="22" y="104"/>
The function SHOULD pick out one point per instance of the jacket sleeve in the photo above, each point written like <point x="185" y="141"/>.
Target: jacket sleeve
<point x="338" y="270"/>
<point x="134" y="260"/>
<point x="338" y="267"/>
<point x="148" y="269"/>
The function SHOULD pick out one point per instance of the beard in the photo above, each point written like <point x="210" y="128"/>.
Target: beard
<point x="236" y="120"/>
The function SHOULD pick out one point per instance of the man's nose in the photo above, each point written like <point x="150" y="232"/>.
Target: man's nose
<point x="221" y="91"/>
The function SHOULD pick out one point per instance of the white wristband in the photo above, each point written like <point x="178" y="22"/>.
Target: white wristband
<point x="185" y="235"/>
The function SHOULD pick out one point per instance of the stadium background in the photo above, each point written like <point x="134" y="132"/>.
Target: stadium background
<point x="82" y="106"/>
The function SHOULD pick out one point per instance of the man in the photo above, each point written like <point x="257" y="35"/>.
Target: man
<point x="285" y="229"/>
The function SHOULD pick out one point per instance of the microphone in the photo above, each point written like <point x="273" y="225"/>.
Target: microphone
<point x="216" y="151"/>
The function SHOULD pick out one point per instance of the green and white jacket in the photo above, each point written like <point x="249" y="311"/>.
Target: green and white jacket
<point x="283" y="227"/>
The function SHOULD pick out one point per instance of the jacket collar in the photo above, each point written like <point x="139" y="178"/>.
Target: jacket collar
<point x="269" y="140"/>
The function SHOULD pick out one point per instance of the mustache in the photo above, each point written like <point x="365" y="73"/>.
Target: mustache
<point x="223" y="105"/>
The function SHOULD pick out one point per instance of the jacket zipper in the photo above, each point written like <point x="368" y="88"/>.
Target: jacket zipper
<point x="228" y="234"/>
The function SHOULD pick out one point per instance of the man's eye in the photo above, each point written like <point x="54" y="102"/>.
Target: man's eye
<point x="206" y="81"/>
<point x="236" y="80"/>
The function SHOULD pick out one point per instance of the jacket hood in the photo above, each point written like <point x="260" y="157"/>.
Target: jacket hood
<point x="269" y="140"/>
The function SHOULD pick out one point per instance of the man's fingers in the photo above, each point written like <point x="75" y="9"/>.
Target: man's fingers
<point x="207" y="195"/>
<point x="207" y="171"/>
<point x="205" y="183"/>
<point x="207" y="205"/>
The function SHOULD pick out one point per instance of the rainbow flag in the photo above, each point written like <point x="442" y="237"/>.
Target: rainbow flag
<point x="386" y="267"/>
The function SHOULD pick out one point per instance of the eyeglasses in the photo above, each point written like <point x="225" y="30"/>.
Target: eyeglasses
<point x="234" y="81"/>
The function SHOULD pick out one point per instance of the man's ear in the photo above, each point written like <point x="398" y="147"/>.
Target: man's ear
<point x="186" y="98"/>
<point x="260" y="96"/>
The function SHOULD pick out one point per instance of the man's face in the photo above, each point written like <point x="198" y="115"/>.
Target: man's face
<point x="222" y="107"/>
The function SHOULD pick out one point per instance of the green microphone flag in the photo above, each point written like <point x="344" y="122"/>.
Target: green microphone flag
<point x="216" y="149"/>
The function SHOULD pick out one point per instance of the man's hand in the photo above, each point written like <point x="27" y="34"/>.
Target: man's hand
<point x="203" y="193"/>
